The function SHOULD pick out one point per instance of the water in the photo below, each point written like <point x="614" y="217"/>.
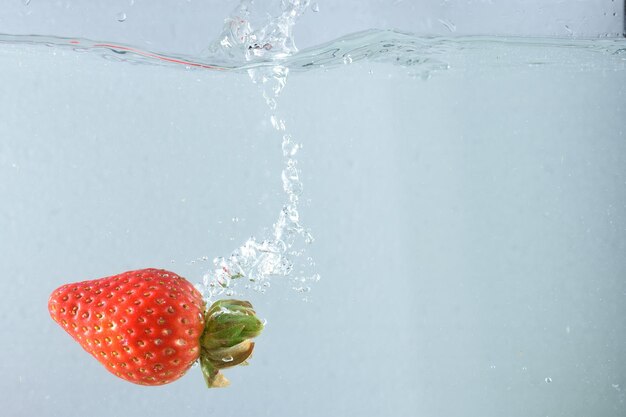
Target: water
<point x="467" y="197"/>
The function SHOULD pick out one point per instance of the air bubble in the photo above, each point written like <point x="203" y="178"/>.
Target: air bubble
<point x="271" y="103"/>
<point x="290" y="148"/>
<point x="315" y="7"/>
<point x="121" y="17"/>
<point x="548" y="380"/>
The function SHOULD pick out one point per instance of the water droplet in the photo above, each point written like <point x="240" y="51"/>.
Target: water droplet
<point x="524" y="368"/>
<point x="227" y="359"/>
<point x="315" y="7"/>
<point x="492" y="366"/>
<point x="347" y="59"/>
<point x="235" y="219"/>
<point x="548" y="380"/>
<point x="121" y="17"/>
<point x="25" y="2"/>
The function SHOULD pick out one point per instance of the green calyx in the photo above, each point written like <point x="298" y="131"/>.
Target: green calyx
<point x="225" y="342"/>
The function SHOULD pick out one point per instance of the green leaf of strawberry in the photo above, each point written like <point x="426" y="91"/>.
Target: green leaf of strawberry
<point x="149" y="326"/>
<point x="230" y="324"/>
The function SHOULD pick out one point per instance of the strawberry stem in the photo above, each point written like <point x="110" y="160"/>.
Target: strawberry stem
<point x="225" y="342"/>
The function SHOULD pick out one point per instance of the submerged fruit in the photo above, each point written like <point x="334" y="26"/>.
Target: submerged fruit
<point x="149" y="326"/>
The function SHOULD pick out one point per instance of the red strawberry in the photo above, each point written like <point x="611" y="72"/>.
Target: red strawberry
<point x="149" y="326"/>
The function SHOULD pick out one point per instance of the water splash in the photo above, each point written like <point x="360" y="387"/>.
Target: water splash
<point x="251" y="34"/>
<point x="259" y="30"/>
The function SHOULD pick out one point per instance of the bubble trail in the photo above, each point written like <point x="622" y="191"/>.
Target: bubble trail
<point x="256" y="261"/>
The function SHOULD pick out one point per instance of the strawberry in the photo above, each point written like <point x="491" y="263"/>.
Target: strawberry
<point x="149" y="326"/>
